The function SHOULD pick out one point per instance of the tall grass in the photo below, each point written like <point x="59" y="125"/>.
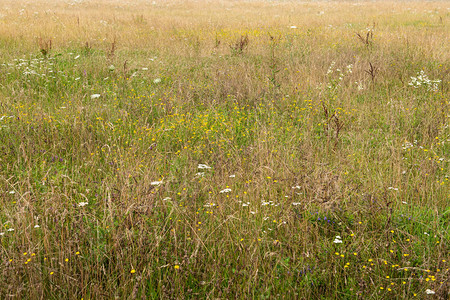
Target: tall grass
<point x="224" y="150"/>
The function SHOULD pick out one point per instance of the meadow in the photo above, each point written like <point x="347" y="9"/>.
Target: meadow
<point x="224" y="149"/>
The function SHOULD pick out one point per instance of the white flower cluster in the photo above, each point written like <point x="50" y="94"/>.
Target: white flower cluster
<point x="337" y="240"/>
<point x="333" y="82"/>
<point x="422" y="80"/>
<point x="408" y="145"/>
<point x="203" y="166"/>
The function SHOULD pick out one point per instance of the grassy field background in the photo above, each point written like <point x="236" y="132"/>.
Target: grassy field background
<point x="224" y="149"/>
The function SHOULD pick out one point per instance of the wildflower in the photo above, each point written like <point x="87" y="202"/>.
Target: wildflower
<point x="349" y="68"/>
<point x="338" y="240"/>
<point x="330" y="69"/>
<point x="232" y="176"/>
<point x="429" y="292"/>
<point x="176" y="267"/>
<point x="36" y="226"/>
<point x="225" y="191"/>
<point x="81" y="204"/>
<point x="203" y="166"/>
<point x="423" y="80"/>
<point x="95" y="96"/>
<point x="156" y="182"/>
<point x="293" y="27"/>
<point x="133" y="271"/>
<point x="157" y="80"/>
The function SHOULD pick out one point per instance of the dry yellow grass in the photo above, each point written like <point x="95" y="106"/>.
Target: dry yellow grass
<point x="328" y="163"/>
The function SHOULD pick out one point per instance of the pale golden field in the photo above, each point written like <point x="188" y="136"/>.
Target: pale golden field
<point x="224" y="149"/>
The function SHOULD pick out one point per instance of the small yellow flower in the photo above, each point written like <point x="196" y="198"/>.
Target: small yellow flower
<point x="176" y="267"/>
<point x="133" y="271"/>
<point x="66" y="260"/>
<point x="77" y="253"/>
<point x="51" y="273"/>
